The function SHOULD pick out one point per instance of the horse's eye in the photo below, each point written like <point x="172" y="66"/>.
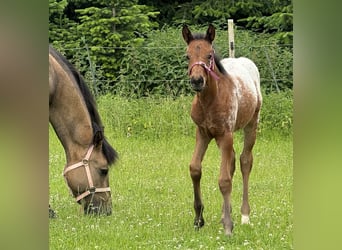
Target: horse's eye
<point x="187" y="57"/>
<point x="210" y="56"/>
<point x="104" y="171"/>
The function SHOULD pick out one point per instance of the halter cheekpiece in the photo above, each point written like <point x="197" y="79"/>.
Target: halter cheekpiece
<point x="210" y="69"/>
<point x="85" y="163"/>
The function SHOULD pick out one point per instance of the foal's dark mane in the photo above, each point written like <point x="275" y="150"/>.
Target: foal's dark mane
<point x="216" y="57"/>
<point x="107" y="149"/>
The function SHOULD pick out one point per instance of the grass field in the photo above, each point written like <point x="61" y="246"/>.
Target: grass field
<point x="152" y="191"/>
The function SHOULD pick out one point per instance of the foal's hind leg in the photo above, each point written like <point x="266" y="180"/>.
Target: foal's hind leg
<point x="202" y="142"/>
<point x="246" y="162"/>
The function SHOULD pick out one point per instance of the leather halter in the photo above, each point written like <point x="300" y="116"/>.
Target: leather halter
<point x="210" y="69"/>
<point x="85" y="163"/>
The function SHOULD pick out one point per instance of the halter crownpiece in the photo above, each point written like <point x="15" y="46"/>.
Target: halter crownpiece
<point x="210" y="69"/>
<point x="85" y="162"/>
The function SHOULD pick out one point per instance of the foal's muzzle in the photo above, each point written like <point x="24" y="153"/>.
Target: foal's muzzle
<point x="197" y="83"/>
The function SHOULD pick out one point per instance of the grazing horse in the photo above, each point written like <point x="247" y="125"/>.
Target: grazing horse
<point x="227" y="99"/>
<point x="77" y="123"/>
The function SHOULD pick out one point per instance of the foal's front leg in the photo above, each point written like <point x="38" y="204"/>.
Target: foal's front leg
<point x="225" y="143"/>
<point x="201" y="146"/>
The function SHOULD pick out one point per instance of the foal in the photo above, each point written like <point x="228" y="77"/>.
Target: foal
<point x="227" y="99"/>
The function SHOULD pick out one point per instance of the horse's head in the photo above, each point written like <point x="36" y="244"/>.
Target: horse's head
<point x="200" y="55"/>
<point x="88" y="179"/>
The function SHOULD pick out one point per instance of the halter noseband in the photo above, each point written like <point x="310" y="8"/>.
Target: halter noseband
<point x="85" y="163"/>
<point x="209" y="69"/>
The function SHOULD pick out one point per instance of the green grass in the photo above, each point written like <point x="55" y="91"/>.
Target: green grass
<point x="152" y="191"/>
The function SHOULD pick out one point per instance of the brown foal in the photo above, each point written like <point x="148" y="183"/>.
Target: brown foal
<point x="227" y="99"/>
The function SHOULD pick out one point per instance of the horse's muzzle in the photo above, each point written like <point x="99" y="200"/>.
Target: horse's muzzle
<point x="97" y="210"/>
<point x="197" y="83"/>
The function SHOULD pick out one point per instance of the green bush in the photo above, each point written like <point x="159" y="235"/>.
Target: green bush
<point x="277" y="113"/>
<point x="274" y="61"/>
<point x="157" y="68"/>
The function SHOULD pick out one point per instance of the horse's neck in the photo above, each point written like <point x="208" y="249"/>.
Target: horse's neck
<point x="71" y="121"/>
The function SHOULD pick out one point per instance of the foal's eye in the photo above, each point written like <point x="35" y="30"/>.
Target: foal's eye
<point x="103" y="171"/>
<point x="210" y="56"/>
<point x="187" y="57"/>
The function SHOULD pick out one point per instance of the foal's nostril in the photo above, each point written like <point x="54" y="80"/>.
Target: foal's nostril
<point x="197" y="83"/>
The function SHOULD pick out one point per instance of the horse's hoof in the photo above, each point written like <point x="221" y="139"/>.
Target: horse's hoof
<point x="52" y="214"/>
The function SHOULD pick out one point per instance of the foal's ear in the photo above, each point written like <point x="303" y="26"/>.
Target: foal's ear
<point x="187" y="34"/>
<point x="98" y="139"/>
<point x="210" y="36"/>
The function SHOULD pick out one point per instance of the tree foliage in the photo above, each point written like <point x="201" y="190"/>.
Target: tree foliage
<point x="103" y="27"/>
<point x="113" y="42"/>
<point x="270" y="16"/>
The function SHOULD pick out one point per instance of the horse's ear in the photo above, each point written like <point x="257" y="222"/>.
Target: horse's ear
<point x="187" y="34"/>
<point x="210" y="36"/>
<point x="98" y="139"/>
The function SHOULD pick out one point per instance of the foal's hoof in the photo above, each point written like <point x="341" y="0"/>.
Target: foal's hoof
<point x="228" y="229"/>
<point x="245" y="219"/>
<point x="198" y="223"/>
<point x="228" y="232"/>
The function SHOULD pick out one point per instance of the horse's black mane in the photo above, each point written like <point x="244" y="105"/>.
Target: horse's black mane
<point x="219" y="64"/>
<point x="107" y="149"/>
<point x="199" y="36"/>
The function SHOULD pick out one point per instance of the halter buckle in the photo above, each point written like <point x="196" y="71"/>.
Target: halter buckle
<point x="92" y="190"/>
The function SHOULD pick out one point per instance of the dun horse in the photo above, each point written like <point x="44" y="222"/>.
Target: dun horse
<point x="227" y="99"/>
<point x="73" y="115"/>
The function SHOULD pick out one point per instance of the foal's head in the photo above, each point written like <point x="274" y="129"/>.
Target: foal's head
<point x="200" y="55"/>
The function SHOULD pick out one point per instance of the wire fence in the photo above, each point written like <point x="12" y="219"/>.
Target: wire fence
<point x="151" y="67"/>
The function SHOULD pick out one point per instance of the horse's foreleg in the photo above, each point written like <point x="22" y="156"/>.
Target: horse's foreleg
<point x="196" y="173"/>
<point x="227" y="168"/>
<point x="246" y="162"/>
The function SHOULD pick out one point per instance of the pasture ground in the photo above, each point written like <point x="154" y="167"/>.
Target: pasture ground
<point x="153" y="199"/>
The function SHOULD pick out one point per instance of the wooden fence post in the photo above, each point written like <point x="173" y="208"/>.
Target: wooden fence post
<point x="231" y="38"/>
